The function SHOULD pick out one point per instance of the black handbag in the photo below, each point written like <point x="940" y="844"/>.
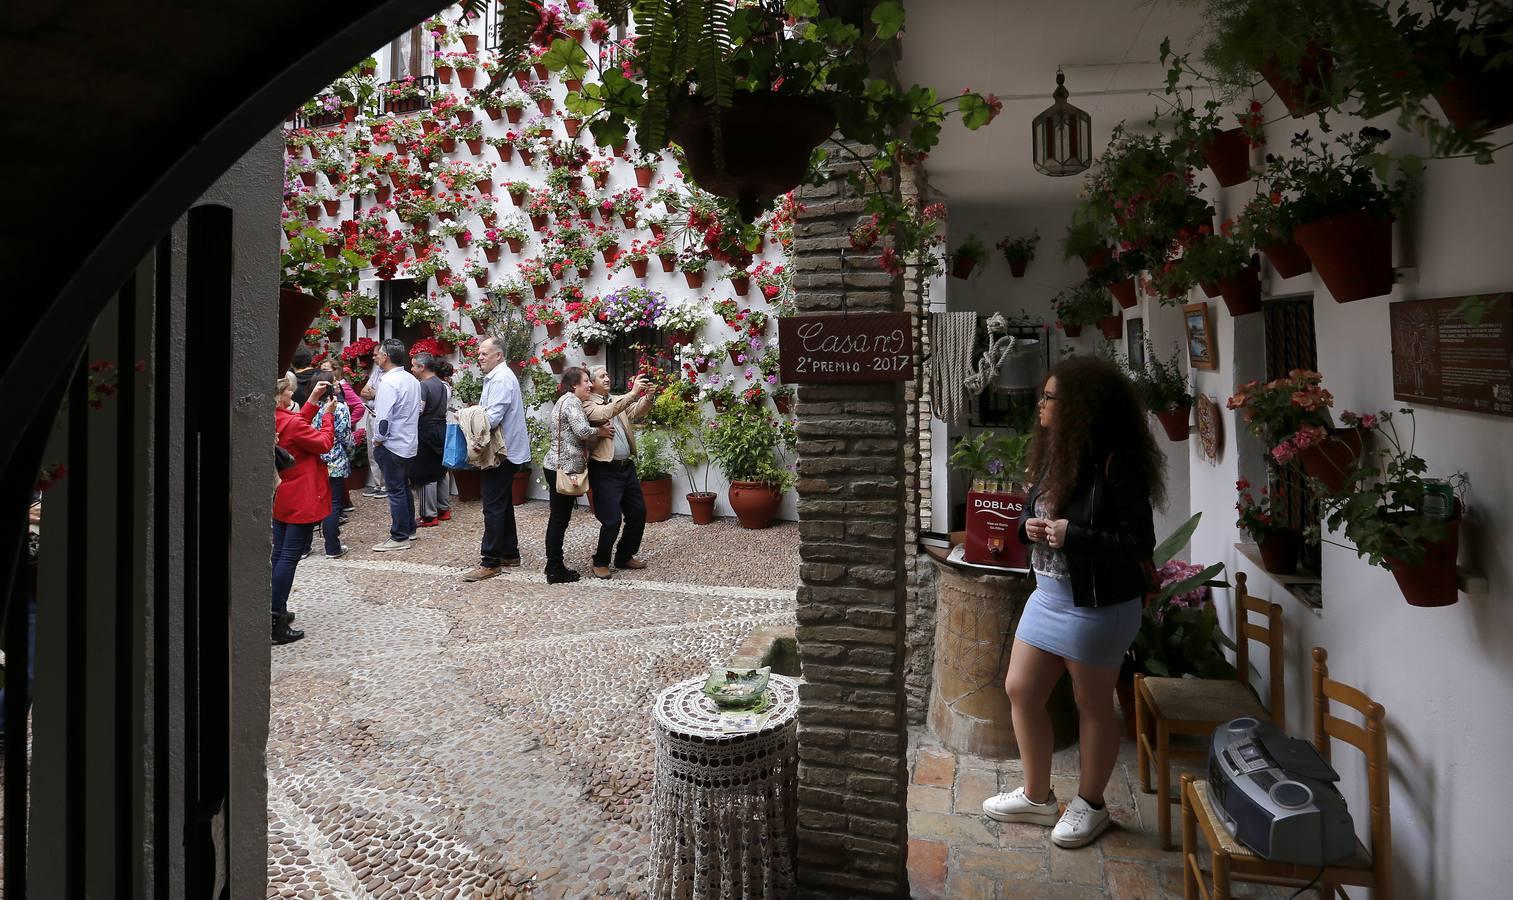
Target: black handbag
<point x="282" y="459"/>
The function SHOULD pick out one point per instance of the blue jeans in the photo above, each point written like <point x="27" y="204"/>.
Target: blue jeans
<point x="330" y="526"/>
<point x="396" y="472"/>
<point x="290" y="542"/>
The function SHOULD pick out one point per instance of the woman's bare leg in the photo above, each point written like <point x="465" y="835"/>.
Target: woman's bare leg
<point x="1032" y="676"/>
<point x="1099" y="724"/>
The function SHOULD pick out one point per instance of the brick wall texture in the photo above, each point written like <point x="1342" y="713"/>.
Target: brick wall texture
<point x="854" y="469"/>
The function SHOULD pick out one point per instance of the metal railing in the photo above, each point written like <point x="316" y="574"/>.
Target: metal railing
<point x="400" y="105"/>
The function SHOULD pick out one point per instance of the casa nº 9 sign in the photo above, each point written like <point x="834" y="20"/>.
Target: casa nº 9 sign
<point x="863" y="347"/>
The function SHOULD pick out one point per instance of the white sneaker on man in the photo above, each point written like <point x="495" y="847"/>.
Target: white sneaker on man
<point x="1015" y="806"/>
<point x="391" y="544"/>
<point x="1080" y="825"/>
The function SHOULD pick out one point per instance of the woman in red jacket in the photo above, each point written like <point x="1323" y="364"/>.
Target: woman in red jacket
<point x="303" y="496"/>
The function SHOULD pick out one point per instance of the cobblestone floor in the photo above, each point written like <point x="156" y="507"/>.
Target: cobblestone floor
<point x="431" y="738"/>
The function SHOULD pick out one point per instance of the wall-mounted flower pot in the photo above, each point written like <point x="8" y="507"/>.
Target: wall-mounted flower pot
<point x="495" y="112"/>
<point x="1017" y="267"/>
<point x="644" y="175"/>
<point x="592" y="348"/>
<point x="1175" y="421"/>
<point x="701" y="507"/>
<point x="1210" y="289"/>
<point x="680" y="337"/>
<point x="669" y="261"/>
<point x="1302" y="91"/>
<point x="576" y="34"/>
<point x="368" y="322"/>
<point x="1280" y="551"/>
<point x="657" y="493"/>
<point x="1242" y="292"/>
<point x="539" y="290"/>
<point x="540" y="70"/>
<point x="1331" y="460"/>
<point x="553" y="329"/>
<point x="1228" y="156"/>
<point x="480" y="325"/>
<point x="741" y="284"/>
<point x="962" y="266"/>
<point x="539" y="223"/>
<point x="333" y="207"/>
<point x="465" y="77"/>
<point x="296" y="309"/>
<point x="1352" y="252"/>
<point x="513" y="114"/>
<point x="544" y="105"/>
<point x="638" y="267"/>
<point x="475" y="146"/>
<point x="526" y="157"/>
<point x="1111" y="326"/>
<point x="308" y="178"/>
<point x="520" y="487"/>
<point x="470" y="43"/>
<point x="755" y="503"/>
<point x="694" y="279"/>
<point x="514" y="244"/>
<point x="783" y="404"/>
<point x="1071" y="330"/>
<point x="571" y="126"/>
<point x="464" y="116"/>
<point x="557" y="365"/>
<point x="491" y="254"/>
<point x="1124" y="291"/>
<point x="1431" y="582"/>
<point x="1288" y="259"/>
<point x="444" y="74"/>
<point x="609" y="253"/>
<point x="573" y="84"/>
<point x="1477" y="100"/>
<point x="1098" y="258"/>
<point x="628" y="219"/>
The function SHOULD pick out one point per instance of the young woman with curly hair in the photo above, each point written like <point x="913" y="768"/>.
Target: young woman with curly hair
<point x="1089" y="521"/>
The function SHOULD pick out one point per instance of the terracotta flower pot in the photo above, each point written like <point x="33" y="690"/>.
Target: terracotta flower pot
<point x="469" y="484"/>
<point x="755" y="502"/>
<point x="295" y="311"/>
<point x="465" y="77"/>
<point x="1242" y="292"/>
<point x="444" y="74"/>
<point x="669" y="261"/>
<point x="1332" y="460"/>
<point x="1017" y="267"/>
<point x="741" y="284"/>
<point x="573" y="84"/>
<point x="1477" y="100"/>
<point x="962" y="266"/>
<point x="1071" y="330"/>
<point x="539" y="290"/>
<point x="553" y="329"/>
<point x="609" y="253"/>
<point x="1352" y="252"/>
<point x="575" y="33"/>
<point x="1431" y="582"/>
<point x="491" y="254"/>
<point x="1302" y="92"/>
<point x="544" y="105"/>
<point x="638" y="266"/>
<point x="539" y="223"/>
<point x="495" y="112"/>
<point x="1175" y="421"/>
<point x="680" y="337"/>
<point x="1210" y="289"/>
<point x="1288" y="259"/>
<point x="464" y="116"/>
<point x="557" y="365"/>
<point x="1124" y="291"/>
<point x="513" y="114"/>
<point x="368" y="322"/>
<point x="657" y="230"/>
<point x="540" y="70"/>
<point x="520" y="488"/>
<point x="701" y="507"/>
<point x="1228" y="156"/>
<point x="1279" y="551"/>
<point x="571" y="126"/>
<point x="644" y="175"/>
<point x="1111" y="326"/>
<point x="1098" y="258"/>
<point x="480" y="325"/>
<point x="308" y="178"/>
<point x="592" y="348"/>
<point x="658" y="495"/>
<point x="333" y="207"/>
<point x="694" y="279"/>
<point x="526" y="156"/>
<point x="470" y="43"/>
<point x="783" y="404"/>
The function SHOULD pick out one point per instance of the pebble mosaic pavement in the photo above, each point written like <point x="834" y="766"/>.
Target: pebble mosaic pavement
<point x="433" y="738"/>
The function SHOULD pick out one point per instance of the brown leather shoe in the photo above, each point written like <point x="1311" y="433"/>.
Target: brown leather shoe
<point x="632" y="563"/>
<point x="510" y="563"/>
<point x="601" y="571"/>
<point x="480" y="573"/>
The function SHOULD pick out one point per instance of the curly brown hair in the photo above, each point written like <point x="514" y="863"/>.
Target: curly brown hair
<point x="1098" y="419"/>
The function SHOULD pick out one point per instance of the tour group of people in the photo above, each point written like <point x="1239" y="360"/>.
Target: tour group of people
<point x="408" y="403"/>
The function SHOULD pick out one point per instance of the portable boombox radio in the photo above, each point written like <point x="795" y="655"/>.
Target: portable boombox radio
<point x="993" y="529"/>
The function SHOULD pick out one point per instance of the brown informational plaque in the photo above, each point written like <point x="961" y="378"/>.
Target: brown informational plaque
<point x="860" y="347"/>
<point x="1439" y="358"/>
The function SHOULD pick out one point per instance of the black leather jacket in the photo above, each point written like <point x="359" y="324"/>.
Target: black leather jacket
<point x="1110" y="537"/>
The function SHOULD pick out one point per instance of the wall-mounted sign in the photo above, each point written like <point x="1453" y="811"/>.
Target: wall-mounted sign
<point x="860" y="347"/>
<point x="1454" y="352"/>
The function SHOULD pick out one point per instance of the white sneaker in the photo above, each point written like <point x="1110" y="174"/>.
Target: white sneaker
<point x="392" y="545"/>
<point x="1080" y="825"/>
<point x="1016" y="807"/>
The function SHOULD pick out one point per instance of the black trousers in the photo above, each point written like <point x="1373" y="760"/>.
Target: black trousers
<point x="561" y="512"/>
<point x="500" y="541"/>
<point x="617" y="497"/>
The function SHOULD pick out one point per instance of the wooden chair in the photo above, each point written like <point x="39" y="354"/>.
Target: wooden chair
<point x="1232" y="861"/>
<point x="1194" y="707"/>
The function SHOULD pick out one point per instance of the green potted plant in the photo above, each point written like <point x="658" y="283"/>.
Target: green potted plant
<point x="673" y="414"/>
<point x="1085" y="240"/>
<point x="1344" y="212"/>
<point x="1279" y="544"/>
<point x="1224" y="264"/>
<point x="1398" y="519"/>
<point x="1166" y="391"/>
<point x="1018" y="252"/>
<point x="309" y="278"/>
<point x="968" y="258"/>
<point x="654" y="462"/>
<point x="993" y="462"/>
<point x="1291" y="415"/>
<point x="1266" y="224"/>
<point x="1284" y="41"/>
<point x="744" y="441"/>
<point x="1078" y="306"/>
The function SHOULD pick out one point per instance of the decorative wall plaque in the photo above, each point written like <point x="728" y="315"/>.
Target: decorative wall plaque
<point x="1454" y="352"/>
<point x="1210" y="426"/>
<point x="860" y="347"/>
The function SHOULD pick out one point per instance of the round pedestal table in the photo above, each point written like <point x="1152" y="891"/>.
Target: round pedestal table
<point x="724" y="814"/>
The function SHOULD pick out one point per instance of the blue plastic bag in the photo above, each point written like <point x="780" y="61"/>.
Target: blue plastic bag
<point x="454" y="453"/>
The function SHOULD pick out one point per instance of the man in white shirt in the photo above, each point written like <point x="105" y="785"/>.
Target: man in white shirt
<point x="369" y="394"/>
<point x="397" y="415"/>
<point x="505" y="408"/>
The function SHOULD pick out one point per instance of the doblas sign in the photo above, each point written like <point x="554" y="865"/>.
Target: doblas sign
<point x="863" y="347"/>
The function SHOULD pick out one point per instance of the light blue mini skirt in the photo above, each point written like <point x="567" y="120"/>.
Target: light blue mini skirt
<point x="1094" y="636"/>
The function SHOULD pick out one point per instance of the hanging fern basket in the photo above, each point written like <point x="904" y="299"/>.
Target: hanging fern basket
<point x="765" y="141"/>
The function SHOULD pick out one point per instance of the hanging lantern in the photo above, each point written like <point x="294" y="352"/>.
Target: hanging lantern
<point x="1062" y="136"/>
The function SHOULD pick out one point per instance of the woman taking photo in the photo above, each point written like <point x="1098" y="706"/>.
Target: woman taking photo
<point x="303" y="495"/>
<point x="1089" y="522"/>
<point x="570" y="432"/>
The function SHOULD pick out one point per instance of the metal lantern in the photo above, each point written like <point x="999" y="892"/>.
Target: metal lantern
<point x="1062" y="136"/>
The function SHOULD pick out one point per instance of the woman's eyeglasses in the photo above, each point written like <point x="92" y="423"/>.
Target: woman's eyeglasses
<point x="1047" y="397"/>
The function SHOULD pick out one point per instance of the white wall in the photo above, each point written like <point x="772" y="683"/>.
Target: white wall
<point x="1445" y="676"/>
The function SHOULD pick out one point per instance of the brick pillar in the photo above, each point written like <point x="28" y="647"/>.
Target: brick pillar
<point x="919" y="575"/>
<point x="852" y="829"/>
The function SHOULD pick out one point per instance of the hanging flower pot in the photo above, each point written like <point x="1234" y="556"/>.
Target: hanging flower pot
<point x="475" y="146"/>
<point x="1242" y="292"/>
<point x="1302" y="92"/>
<point x="494" y="112"/>
<point x="368" y="322"/>
<point x="571" y="125"/>
<point x="526" y="156"/>
<point x="517" y="197"/>
<point x="1017" y="267"/>
<point x="540" y="70"/>
<point x="644" y="175"/>
<point x="638" y="267"/>
<point x="1111" y="326"/>
<point x="557" y="365"/>
<point x="520" y="487"/>
<point x="332" y="251"/>
<point x="741" y="284"/>
<point x="1331" y="460"/>
<point x="755" y="502"/>
<point x="539" y="223"/>
<point x="609" y="253"/>
<point x="333" y="207"/>
<point x="601" y="179"/>
<point x="657" y="229"/>
<point x="544" y="105"/>
<point x="504" y="152"/>
<point x="470" y="43"/>
<point x="962" y="266"/>
<point x="485" y="186"/>
<point x="515" y="244"/>
<point x="480" y="325"/>
<point x="1280" y="550"/>
<point x="1352" y="252"/>
<point x="584" y="271"/>
<point x="444" y="74"/>
<point x="1288" y="259"/>
<point x="491" y="254"/>
<point x="1210" y="289"/>
<point x="1098" y="258"/>
<point x="461" y="239"/>
<point x="295" y="311"/>
<point x="481" y="280"/>
<point x="1124" y="291"/>
<point x="523" y="79"/>
<point x="539" y="290"/>
<point x="573" y="84"/>
<point x="1071" y="330"/>
<point x="694" y="279"/>
<point x="766" y="141"/>
<point x="1476" y="99"/>
<point x="465" y="77"/>
<point x="427" y="329"/>
<point x="553" y="329"/>
<point x="514" y="114"/>
<point x="592" y="348"/>
<point x="1228" y="156"/>
<point x="308" y="178"/>
<point x="464" y="116"/>
<point x="1432" y="582"/>
<point x="669" y="261"/>
<point x="628" y="219"/>
<point x="1175" y="421"/>
<point x="701" y="507"/>
<point x="678" y="338"/>
<point x="784" y="404"/>
<point x="702" y="365"/>
<point x="516" y="298"/>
